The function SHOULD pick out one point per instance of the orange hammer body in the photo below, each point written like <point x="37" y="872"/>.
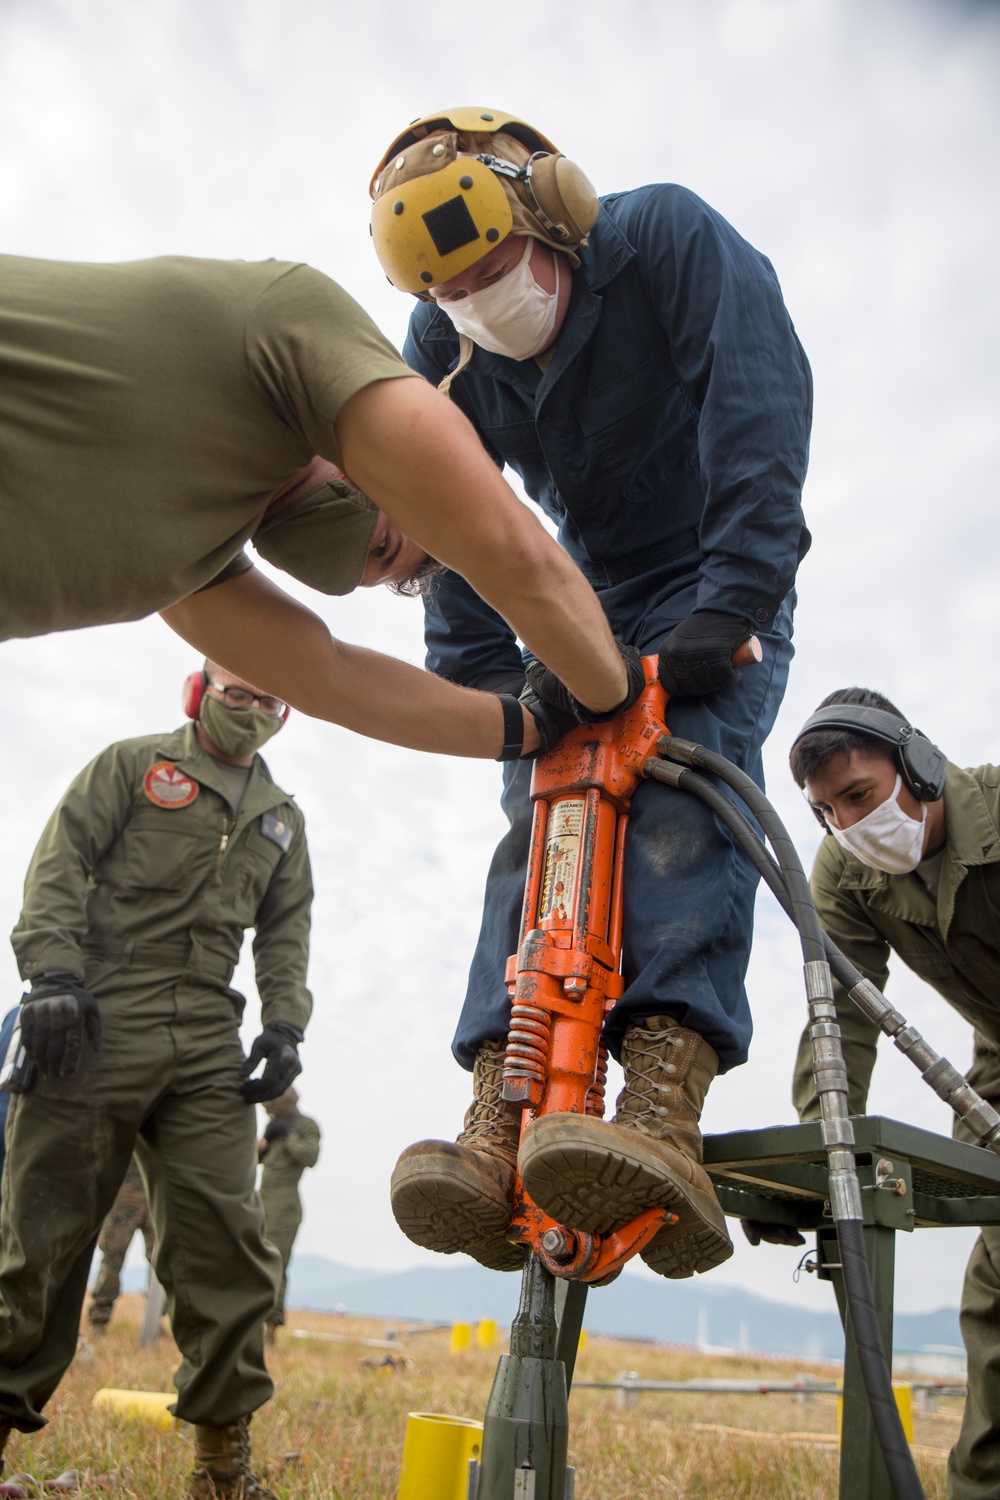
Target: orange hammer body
<point x="566" y="974"/>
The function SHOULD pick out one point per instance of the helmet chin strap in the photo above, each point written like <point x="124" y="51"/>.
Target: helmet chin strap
<point x="466" y="349"/>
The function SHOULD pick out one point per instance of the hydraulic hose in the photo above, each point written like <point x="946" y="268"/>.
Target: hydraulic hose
<point x="830" y="1076"/>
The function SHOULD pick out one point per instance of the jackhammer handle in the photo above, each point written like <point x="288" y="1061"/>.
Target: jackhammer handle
<point x="749" y="654"/>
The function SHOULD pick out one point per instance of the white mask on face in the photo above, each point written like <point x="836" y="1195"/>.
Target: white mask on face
<point x="514" y="316"/>
<point x="888" y="838"/>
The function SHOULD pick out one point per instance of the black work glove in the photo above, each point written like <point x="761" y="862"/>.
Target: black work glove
<point x="772" y="1234"/>
<point x="277" y="1044"/>
<point x="54" y="1017"/>
<point x="277" y="1130"/>
<point x="555" y="710"/>
<point x="697" y="656"/>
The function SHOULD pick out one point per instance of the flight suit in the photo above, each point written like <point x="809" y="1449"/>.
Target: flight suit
<point x="285" y="1160"/>
<point x="946" y="928"/>
<point x="143" y="882"/>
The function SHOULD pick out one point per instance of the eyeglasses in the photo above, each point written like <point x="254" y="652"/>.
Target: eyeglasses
<point x="241" y="697"/>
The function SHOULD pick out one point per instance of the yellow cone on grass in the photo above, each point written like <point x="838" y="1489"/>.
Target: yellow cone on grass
<point x="436" y="1455"/>
<point x="140" y="1406"/>
<point x="486" y="1333"/>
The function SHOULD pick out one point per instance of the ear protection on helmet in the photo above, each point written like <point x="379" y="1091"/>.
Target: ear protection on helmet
<point x="194" y="690"/>
<point x="561" y="196"/>
<point x="921" y="764"/>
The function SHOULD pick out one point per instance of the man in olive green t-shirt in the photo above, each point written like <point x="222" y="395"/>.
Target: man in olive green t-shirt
<point x="156" y="415"/>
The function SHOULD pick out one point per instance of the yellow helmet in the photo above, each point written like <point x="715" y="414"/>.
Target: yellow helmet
<point x="455" y="184"/>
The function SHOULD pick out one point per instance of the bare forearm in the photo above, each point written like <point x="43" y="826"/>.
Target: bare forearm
<point x="422" y="462"/>
<point x="258" y="632"/>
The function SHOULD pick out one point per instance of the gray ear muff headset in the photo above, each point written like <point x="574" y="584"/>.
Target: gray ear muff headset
<point x="921" y="764"/>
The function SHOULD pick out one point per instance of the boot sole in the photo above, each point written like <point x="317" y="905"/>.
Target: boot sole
<point x="439" y="1207"/>
<point x="589" y="1182"/>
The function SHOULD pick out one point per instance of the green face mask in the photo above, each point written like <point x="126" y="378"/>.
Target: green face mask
<point x="237" y="731"/>
<point x="322" y="539"/>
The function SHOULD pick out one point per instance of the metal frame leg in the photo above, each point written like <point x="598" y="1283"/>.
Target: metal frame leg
<point x="571" y="1302"/>
<point x="863" y="1473"/>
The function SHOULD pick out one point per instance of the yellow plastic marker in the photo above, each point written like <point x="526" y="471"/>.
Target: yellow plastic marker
<point x="461" y="1337"/>
<point x="140" y="1406"/>
<point x="904" y="1404"/>
<point x="436" y="1455"/>
<point x="583" y="1341"/>
<point x="486" y="1333"/>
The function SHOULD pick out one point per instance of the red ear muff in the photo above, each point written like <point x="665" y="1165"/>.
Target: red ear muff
<point x="192" y="693"/>
<point x="284" y="716"/>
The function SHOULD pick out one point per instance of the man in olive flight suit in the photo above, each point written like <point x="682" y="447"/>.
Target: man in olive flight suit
<point x="163" y="851"/>
<point x="290" y="1143"/>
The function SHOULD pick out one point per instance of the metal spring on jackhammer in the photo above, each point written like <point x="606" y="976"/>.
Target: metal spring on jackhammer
<point x="595" y="1094"/>
<point x="527" y="1043"/>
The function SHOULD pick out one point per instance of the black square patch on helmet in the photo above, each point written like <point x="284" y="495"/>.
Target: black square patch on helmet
<point x="450" y="226"/>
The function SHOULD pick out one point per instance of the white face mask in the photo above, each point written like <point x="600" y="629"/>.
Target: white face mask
<point x="514" y="316"/>
<point x="887" y="839"/>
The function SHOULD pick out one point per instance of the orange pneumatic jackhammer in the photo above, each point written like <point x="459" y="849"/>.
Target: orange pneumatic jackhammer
<point x="566" y="974"/>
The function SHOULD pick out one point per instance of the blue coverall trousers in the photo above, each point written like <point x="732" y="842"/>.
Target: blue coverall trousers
<point x="689" y="887"/>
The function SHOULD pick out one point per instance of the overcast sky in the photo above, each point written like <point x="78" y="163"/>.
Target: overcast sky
<point x="855" y="143"/>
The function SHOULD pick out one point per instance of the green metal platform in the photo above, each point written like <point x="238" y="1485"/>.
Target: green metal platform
<point x="910" y="1179"/>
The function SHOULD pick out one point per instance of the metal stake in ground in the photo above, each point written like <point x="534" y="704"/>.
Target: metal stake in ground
<point x="526" y="1427"/>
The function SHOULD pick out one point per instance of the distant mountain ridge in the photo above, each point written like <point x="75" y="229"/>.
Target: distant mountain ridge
<point x="669" y="1312"/>
<point x="675" y="1312"/>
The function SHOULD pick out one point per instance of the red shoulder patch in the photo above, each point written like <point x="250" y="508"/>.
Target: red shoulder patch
<point x="167" y="787"/>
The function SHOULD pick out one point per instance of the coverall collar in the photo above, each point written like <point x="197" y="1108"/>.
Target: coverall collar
<point x="183" y="749"/>
<point x="973" y="839"/>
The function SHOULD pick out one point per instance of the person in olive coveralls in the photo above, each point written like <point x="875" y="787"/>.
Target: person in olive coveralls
<point x="290" y="1143"/>
<point x="160" y="855"/>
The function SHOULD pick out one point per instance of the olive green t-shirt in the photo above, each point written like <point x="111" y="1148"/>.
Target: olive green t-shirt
<point x="148" y="411"/>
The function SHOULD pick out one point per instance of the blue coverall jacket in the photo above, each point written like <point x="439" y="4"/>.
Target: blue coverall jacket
<point x="668" y="440"/>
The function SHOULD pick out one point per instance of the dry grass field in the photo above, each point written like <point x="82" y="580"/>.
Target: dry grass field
<point x="335" y="1428"/>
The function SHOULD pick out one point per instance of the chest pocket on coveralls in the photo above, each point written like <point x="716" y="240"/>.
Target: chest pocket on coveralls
<point x="511" y="439"/>
<point x="263" y="845"/>
<point x="160" y="848"/>
<point x="645" y="427"/>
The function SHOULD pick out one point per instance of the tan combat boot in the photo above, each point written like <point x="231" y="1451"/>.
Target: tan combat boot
<point x="222" y="1465"/>
<point x="596" y="1176"/>
<point x="457" y="1197"/>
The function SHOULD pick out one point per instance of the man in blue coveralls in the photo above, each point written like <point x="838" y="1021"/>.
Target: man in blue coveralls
<point x="632" y="359"/>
